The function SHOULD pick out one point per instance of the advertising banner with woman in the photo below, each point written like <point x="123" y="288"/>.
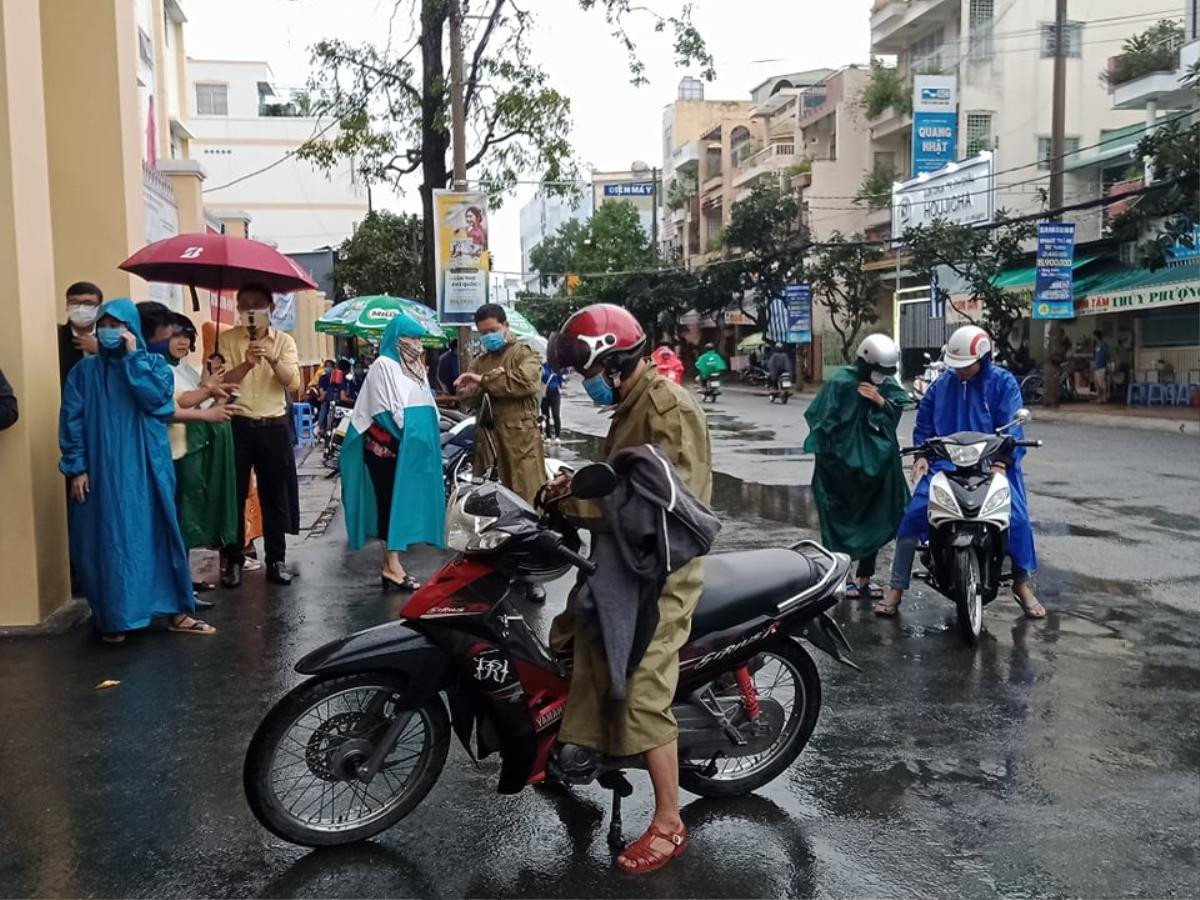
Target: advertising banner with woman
<point x="461" y="254"/>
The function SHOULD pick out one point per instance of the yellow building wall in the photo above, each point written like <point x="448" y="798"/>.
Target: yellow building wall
<point x="33" y="531"/>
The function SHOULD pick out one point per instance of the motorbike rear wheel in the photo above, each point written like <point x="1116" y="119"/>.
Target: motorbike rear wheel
<point x="298" y="770"/>
<point x="789" y="676"/>
<point x="968" y="594"/>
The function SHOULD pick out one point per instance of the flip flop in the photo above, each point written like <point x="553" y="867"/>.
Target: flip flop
<point x="641" y="856"/>
<point x="201" y="587"/>
<point x="198" y="626"/>
<point x="116" y="637"/>
<point x="871" y="592"/>
<point x="889" y="610"/>
<point x="1033" y="610"/>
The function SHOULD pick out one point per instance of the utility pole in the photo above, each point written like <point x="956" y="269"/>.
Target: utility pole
<point x="458" y="142"/>
<point x="1058" y="117"/>
<point x="654" y="217"/>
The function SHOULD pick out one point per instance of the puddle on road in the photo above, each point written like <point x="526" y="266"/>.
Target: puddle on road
<point x="1163" y="518"/>
<point x="733" y="497"/>
<point x="1068" y="529"/>
<point x="776" y="451"/>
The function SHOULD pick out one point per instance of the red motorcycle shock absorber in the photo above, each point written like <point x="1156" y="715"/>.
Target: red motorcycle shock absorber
<point x="749" y="692"/>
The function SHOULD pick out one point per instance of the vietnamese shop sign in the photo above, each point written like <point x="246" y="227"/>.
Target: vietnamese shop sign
<point x="629" y="189"/>
<point x="1135" y="299"/>
<point x="797" y="304"/>
<point x="960" y="193"/>
<point x="935" y="122"/>
<point x="1053" y="288"/>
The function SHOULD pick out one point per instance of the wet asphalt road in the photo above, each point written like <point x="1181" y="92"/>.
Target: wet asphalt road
<point x="1056" y="759"/>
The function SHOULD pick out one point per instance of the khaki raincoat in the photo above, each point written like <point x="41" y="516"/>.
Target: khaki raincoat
<point x="512" y="377"/>
<point x="657" y="411"/>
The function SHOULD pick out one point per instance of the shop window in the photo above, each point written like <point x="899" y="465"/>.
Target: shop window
<point x="979" y="132"/>
<point x="982" y="13"/>
<point x="1171" y="327"/>
<point x="212" y="99"/>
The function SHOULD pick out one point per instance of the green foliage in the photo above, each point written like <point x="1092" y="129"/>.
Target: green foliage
<point x="801" y="168"/>
<point x="1154" y="50"/>
<point x="613" y="240"/>
<point x="393" y="100"/>
<point x="847" y="289"/>
<point x="382" y="257"/>
<point x="876" y="187"/>
<point x="558" y="255"/>
<point x="977" y="255"/>
<point x="1167" y="215"/>
<point x="547" y="313"/>
<point x="884" y="89"/>
<point x="681" y="192"/>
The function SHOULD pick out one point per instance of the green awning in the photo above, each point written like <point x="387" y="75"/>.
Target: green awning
<point x="1119" y="289"/>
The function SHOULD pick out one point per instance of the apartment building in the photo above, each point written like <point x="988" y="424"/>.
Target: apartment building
<point x="541" y="218"/>
<point x="1001" y="54"/>
<point x="241" y="124"/>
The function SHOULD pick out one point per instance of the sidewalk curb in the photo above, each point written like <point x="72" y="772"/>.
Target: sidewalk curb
<point x="74" y="612"/>
<point x="1110" y="420"/>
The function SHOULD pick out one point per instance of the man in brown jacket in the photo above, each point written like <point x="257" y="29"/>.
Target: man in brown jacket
<point x="510" y="374"/>
<point x="606" y="345"/>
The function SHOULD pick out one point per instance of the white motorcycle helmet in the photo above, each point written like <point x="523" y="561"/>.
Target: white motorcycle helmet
<point x="967" y="346"/>
<point x="878" y="357"/>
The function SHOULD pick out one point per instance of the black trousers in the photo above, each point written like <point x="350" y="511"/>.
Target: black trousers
<point x="383" y="479"/>
<point x="267" y="449"/>
<point x="552" y="412"/>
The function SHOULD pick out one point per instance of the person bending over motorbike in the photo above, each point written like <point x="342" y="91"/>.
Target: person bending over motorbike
<point x="982" y="398"/>
<point x="779" y="363"/>
<point x="606" y="345"/>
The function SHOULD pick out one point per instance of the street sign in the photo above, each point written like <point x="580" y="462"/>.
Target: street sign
<point x="962" y="193"/>
<point x="937" y="296"/>
<point x="629" y="189"/>
<point x="797" y="302"/>
<point x="1053" y="288"/>
<point x="935" y="122"/>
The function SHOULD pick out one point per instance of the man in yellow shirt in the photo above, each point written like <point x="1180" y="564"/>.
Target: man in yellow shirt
<point x="263" y="363"/>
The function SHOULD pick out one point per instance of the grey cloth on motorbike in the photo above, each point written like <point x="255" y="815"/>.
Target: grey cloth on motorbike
<point x="656" y="525"/>
<point x="779" y="363"/>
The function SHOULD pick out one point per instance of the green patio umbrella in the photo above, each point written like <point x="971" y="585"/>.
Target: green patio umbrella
<point x="367" y="317"/>
<point x="752" y="342"/>
<point x="522" y="329"/>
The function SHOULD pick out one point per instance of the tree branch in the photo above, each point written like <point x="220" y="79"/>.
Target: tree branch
<point x="477" y="57"/>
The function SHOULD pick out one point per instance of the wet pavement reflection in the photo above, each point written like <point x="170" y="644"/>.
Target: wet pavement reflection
<point x="1059" y="758"/>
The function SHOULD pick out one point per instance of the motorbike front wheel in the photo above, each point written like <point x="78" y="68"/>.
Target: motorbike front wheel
<point x="301" y="771"/>
<point x="968" y="594"/>
<point x="788" y="676"/>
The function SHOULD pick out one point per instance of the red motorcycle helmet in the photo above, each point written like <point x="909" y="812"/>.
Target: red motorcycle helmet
<point x="601" y="334"/>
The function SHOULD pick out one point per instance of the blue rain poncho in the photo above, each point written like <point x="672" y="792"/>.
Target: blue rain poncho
<point x="126" y="547"/>
<point x="403" y="407"/>
<point x="983" y="403"/>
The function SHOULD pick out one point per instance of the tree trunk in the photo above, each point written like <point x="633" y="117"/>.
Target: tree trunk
<point x="435" y="135"/>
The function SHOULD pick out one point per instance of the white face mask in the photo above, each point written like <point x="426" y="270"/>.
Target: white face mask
<point x="82" y="315"/>
<point x="878" y="377"/>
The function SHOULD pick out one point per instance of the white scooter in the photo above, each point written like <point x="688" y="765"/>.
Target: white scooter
<point x="970" y="508"/>
<point x="933" y="370"/>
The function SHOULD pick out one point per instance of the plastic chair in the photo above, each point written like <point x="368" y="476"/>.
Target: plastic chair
<point x="1183" y="394"/>
<point x="302" y="417"/>
<point x="1135" y="393"/>
<point x="1157" y="391"/>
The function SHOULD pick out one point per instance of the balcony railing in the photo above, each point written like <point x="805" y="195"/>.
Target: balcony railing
<point x="780" y="154"/>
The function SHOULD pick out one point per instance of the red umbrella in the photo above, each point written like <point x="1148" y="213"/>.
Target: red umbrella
<point x="217" y="262"/>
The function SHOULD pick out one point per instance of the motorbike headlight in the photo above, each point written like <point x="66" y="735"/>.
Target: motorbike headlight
<point x="944" y="499"/>
<point x="965" y="454"/>
<point x="492" y="539"/>
<point x="995" y="501"/>
<point x="461" y="526"/>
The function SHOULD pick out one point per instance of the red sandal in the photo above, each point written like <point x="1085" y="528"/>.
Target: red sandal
<point x="642" y="856"/>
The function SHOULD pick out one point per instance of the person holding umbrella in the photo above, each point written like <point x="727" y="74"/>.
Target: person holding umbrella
<point x="263" y="362"/>
<point x="391" y="461"/>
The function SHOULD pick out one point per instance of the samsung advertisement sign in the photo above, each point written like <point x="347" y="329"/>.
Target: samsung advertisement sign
<point x="962" y="193"/>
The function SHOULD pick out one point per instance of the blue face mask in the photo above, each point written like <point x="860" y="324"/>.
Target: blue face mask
<point x="111" y="338"/>
<point x="162" y="348"/>
<point x="493" y="341"/>
<point x="599" y="390"/>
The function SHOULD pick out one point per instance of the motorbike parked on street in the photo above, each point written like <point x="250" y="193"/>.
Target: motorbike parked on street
<point x="970" y="509"/>
<point x="356" y="747"/>
<point x="1033" y="387"/>
<point x="335" y="434"/>
<point x="932" y="371"/>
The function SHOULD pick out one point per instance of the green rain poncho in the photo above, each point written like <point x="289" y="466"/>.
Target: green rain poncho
<point x="710" y="364"/>
<point x="858" y="481"/>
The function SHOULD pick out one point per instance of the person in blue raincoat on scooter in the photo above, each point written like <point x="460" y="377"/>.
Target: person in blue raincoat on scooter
<point x="975" y="395"/>
<point x="391" y="460"/>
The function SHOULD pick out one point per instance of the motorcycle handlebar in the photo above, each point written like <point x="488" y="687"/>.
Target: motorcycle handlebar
<point x="580" y="562"/>
<point x="1028" y="443"/>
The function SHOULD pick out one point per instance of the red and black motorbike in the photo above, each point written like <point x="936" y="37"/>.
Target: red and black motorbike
<point x="355" y="748"/>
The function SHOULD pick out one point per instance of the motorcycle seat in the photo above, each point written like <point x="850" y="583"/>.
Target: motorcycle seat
<point x="745" y="584"/>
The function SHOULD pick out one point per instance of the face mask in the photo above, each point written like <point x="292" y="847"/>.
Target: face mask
<point x="82" y="315"/>
<point x="493" y="341"/>
<point x="411" y="350"/>
<point x="162" y="348"/>
<point x="111" y="338"/>
<point x="878" y="377"/>
<point x="599" y="390"/>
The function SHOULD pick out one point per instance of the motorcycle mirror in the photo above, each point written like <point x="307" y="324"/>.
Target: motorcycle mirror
<point x="594" y="481"/>
<point x="486" y="418"/>
<point x="1023" y="415"/>
<point x="927" y="357"/>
